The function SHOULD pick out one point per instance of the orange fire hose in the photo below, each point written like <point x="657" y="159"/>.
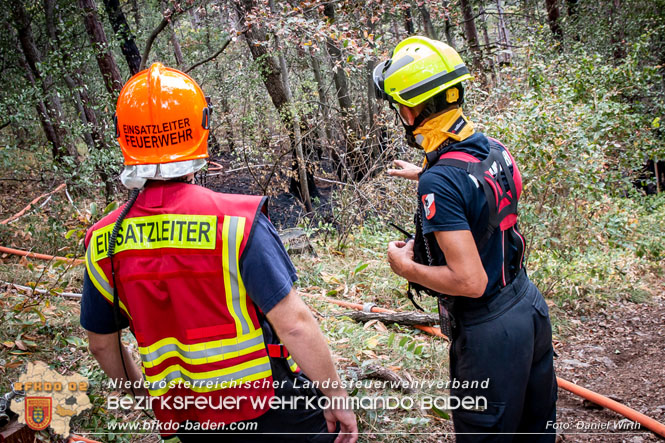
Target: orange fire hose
<point x="214" y="166"/>
<point x="73" y="438"/>
<point x="76" y="261"/>
<point x="594" y="397"/>
<point x="608" y="403"/>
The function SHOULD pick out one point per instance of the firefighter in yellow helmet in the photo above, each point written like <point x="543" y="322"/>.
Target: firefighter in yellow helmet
<point x="206" y="287"/>
<point x="468" y="252"/>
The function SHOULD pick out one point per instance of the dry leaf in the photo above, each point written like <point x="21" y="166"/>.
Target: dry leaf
<point x="21" y="345"/>
<point x="8" y="344"/>
<point x="369" y="324"/>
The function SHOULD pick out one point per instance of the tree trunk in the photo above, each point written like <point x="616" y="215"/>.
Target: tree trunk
<point x="488" y="44"/>
<point x="229" y="136"/>
<point x="274" y="79"/>
<point x="52" y="30"/>
<point x="97" y="36"/>
<point x="617" y="33"/>
<point x="323" y="99"/>
<point x="448" y="29"/>
<point x="571" y="8"/>
<point x="50" y="110"/>
<point x="256" y="39"/>
<point x="506" y="54"/>
<point x="124" y="34"/>
<point x="356" y="161"/>
<point x="177" y="51"/>
<point x="553" y="19"/>
<point x="427" y="22"/>
<point x="408" y="20"/>
<point x="135" y="13"/>
<point x="472" y="36"/>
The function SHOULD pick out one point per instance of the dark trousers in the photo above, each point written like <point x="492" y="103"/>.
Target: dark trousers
<point x="508" y="341"/>
<point x="303" y="424"/>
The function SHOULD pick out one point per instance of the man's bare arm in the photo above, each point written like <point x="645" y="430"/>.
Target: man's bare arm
<point x="299" y="331"/>
<point x="104" y="348"/>
<point x="463" y="275"/>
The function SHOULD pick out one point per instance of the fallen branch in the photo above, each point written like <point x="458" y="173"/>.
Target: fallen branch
<point x="43" y="291"/>
<point x="401" y="318"/>
<point x="28" y="254"/>
<point x="27" y="208"/>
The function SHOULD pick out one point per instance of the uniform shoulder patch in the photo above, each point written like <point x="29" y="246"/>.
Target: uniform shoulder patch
<point x="428" y="204"/>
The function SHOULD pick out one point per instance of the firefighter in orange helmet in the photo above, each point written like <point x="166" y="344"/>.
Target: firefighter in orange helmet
<point x="205" y="286"/>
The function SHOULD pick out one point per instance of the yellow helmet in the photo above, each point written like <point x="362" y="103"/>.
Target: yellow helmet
<point x="419" y="69"/>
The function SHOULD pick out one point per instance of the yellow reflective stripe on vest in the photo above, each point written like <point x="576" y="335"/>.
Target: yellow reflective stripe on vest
<point x="292" y="364"/>
<point x="183" y="231"/>
<point x="99" y="279"/>
<point x="233" y="231"/>
<point x="201" y="353"/>
<point x="209" y="381"/>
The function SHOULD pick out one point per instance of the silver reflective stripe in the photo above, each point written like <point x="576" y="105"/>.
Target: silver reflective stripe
<point x="203" y="353"/>
<point x="215" y="381"/>
<point x="233" y="272"/>
<point x="93" y="271"/>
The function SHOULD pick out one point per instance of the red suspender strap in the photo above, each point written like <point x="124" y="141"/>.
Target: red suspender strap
<point x="277" y="351"/>
<point x="461" y="156"/>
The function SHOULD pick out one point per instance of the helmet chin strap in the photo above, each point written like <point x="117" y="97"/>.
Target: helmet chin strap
<point x="429" y="110"/>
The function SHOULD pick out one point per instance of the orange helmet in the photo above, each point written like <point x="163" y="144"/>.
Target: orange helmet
<point x="161" y="122"/>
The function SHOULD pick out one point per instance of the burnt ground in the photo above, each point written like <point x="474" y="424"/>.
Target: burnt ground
<point x="286" y="211"/>
<point x="619" y="352"/>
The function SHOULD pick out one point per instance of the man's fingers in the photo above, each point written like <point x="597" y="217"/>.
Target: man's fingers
<point x="396" y="244"/>
<point x="332" y="425"/>
<point x="397" y="172"/>
<point x="347" y="433"/>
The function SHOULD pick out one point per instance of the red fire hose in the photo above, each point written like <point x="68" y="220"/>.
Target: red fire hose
<point x="594" y="397"/>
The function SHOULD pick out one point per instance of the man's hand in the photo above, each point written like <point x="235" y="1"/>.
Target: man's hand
<point x="400" y="257"/>
<point x="347" y="421"/>
<point x="407" y="170"/>
<point x="299" y="331"/>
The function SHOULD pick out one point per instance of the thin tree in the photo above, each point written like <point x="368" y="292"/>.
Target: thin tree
<point x="553" y="21"/>
<point x="506" y="54"/>
<point x="124" y="34"/>
<point x="50" y="108"/>
<point x="272" y="74"/>
<point x="355" y="160"/>
<point x="97" y="36"/>
<point x="472" y="35"/>
<point x="427" y="21"/>
<point x="448" y="26"/>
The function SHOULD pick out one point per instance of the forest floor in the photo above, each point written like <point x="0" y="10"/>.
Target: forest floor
<point x="616" y="350"/>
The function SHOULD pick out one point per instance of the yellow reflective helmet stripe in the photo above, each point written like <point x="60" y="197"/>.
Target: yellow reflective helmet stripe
<point x="419" y="69"/>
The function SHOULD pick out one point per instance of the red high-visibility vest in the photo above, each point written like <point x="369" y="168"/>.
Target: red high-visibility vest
<point x="177" y="268"/>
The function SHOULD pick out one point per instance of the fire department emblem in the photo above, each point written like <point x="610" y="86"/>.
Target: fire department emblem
<point x="38" y="412"/>
<point x="428" y="205"/>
